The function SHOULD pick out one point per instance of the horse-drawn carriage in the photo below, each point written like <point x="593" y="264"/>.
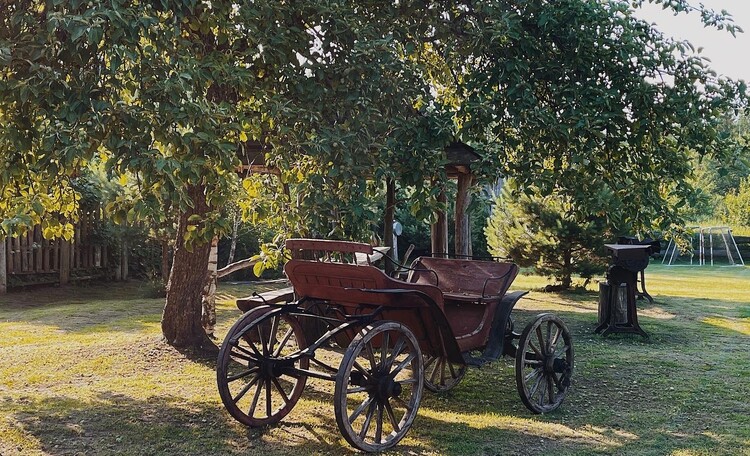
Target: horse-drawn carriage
<point x="391" y="337"/>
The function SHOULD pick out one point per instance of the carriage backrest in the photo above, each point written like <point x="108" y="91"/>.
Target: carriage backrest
<point x="327" y="251"/>
<point x="484" y="278"/>
<point x="337" y="282"/>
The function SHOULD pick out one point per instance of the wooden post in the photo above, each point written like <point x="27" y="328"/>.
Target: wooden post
<point x="3" y="270"/>
<point x="390" y="210"/>
<point x="65" y="258"/>
<point x="439" y="229"/>
<point x="463" y="225"/>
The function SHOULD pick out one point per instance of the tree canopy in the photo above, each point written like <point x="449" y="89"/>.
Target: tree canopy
<point x="576" y="97"/>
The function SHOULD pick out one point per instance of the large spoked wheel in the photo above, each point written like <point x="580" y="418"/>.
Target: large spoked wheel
<point x="544" y="363"/>
<point x="441" y="375"/>
<point x="379" y="386"/>
<point x="256" y="373"/>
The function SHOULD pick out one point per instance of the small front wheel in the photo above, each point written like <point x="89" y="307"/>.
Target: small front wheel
<point x="544" y="363"/>
<point x="258" y="370"/>
<point x="379" y="386"/>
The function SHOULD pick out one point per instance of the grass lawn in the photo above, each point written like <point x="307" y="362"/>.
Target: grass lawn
<point x="83" y="371"/>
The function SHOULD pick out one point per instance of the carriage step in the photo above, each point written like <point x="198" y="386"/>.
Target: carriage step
<point x="476" y="361"/>
<point x="282" y="295"/>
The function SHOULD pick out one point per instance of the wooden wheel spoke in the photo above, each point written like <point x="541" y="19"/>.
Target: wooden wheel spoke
<point x="536" y="350"/>
<point x="269" y="411"/>
<point x="434" y="373"/>
<point x="361" y="408"/>
<point x="283" y="342"/>
<point x="379" y="425"/>
<point x="533" y="362"/>
<point x="368" y="419"/>
<point x="272" y="333"/>
<point x="370" y="355"/>
<point x="555" y="339"/>
<point x="384" y="348"/>
<point x="398" y="348"/>
<point x="392" y="416"/>
<point x="408" y="381"/>
<point x="245" y="389"/>
<point x="429" y="362"/>
<point x="403" y="403"/>
<point x="535" y="387"/>
<point x="403" y="364"/>
<point x="540" y="337"/>
<point x="358" y="389"/>
<point x="247" y="354"/>
<point x="558" y="381"/>
<point x="256" y="397"/>
<point x="281" y="390"/>
<point x="550" y="389"/>
<point x="261" y="340"/>
<point x="532" y="374"/>
<point x="362" y="370"/>
<point x="231" y="378"/>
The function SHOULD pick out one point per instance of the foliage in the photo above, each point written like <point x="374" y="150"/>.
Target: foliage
<point x="573" y="98"/>
<point x="546" y="233"/>
<point x="738" y="204"/>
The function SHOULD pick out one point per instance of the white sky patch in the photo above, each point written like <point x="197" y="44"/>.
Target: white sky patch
<point x="728" y="54"/>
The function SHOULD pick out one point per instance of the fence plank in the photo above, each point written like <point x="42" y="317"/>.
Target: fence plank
<point x="3" y="268"/>
<point x="17" y="254"/>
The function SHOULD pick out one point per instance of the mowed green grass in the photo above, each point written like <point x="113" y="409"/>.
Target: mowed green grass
<point x="83" y="371"/>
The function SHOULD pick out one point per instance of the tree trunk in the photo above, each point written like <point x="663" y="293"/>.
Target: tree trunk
<point x="181" y="321"/>
<point x="164" y="261"/>
<point x="209" y="290"/>
<point x="567" y="270"/>
<point x="235" y="234"/>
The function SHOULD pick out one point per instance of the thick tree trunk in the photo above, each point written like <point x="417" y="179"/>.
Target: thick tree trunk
<point x="181" y="321"/>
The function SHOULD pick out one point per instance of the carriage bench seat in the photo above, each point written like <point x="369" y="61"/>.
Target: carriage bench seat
<point x="473" y="281"/>
<point x="282" y="295"/>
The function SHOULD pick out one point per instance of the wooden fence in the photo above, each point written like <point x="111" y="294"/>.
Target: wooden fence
<point x="32" y="254"/>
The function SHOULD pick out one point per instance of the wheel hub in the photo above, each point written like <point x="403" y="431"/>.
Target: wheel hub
<point x="385" y="387"/>
<point x="273" y="368"/>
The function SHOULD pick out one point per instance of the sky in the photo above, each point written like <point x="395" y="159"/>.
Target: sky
<point x="729" y="56"/>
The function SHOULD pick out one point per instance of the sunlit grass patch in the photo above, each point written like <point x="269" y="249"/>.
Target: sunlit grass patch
<point x="83" y="371"/>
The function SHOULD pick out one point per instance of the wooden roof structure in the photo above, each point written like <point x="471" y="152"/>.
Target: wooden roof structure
<point x="458" y="157"/>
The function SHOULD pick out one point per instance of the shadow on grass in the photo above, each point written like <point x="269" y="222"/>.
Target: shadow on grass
<point x="115" y="424"/>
